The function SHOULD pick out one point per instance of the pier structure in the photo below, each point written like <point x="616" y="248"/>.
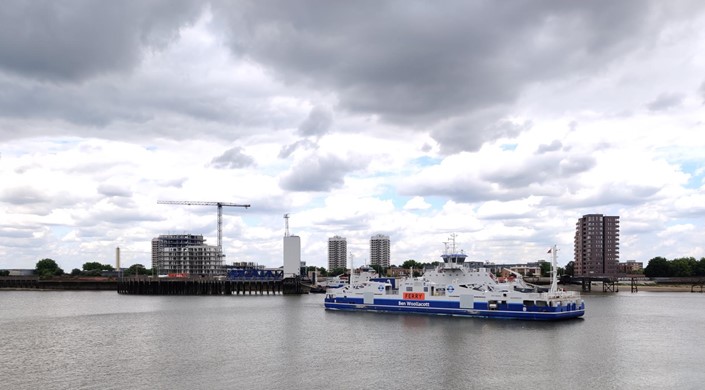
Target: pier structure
<point x="199" y="286"/>
<point x="209" y="286"/>
<point x="609" y="284"/>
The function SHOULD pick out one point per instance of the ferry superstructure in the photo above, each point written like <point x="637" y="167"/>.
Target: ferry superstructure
<point x="455" y="289"/>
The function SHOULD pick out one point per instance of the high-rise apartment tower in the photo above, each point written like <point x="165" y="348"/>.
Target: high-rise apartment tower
<point x="379" y="250"/>
<point x="596" y="245"/>
<point x="337" y="252"/>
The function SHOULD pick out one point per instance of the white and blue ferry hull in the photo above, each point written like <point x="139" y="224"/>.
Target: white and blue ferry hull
<point x="452" y="308"/>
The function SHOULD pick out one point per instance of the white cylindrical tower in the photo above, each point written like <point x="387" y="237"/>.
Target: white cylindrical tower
<point x="117" y="259"/>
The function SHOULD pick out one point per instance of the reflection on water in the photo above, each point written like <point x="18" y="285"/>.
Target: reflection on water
<point x="104" y="340"/>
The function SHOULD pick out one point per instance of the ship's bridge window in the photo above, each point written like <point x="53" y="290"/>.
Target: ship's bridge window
<point x="425" y="289"/>
<point x="409" y="288"/>
<point x="528" y="303"/>
<point x="541" y="303"/>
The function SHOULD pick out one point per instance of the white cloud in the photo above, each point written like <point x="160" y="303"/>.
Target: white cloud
<point x="396" y="130"/>
<point x="416" y="203"/>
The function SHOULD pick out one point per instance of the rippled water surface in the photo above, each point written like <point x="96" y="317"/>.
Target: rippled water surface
<point x="102" y="340"/>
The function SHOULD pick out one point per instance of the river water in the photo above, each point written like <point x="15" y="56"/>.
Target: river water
<point x="102" y="340"/>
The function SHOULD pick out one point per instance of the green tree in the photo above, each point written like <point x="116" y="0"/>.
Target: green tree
<point x="411" y="263"/>
<point x="4" y="272"/>
<point x="683" y="267"/>
<point x="700" y="267"/>
<point x="337" y="271"/>
<point x="91" y="266"/>
<point x="137" y="269"/>
<point x="322" y="271"/>
<point x="657" y="267"/>
<point x="94" y="266"/>
<point x="545" y="268"/>
<point x="570" y="268"/>
<point x="75" y="272"/>
<point x="48" y="267"/>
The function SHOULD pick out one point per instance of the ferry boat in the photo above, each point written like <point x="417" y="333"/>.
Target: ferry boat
<point x="456" y="289"/>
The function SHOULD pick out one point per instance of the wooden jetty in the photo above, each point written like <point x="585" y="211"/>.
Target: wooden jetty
<point x="144" y="285"/>
<point x="208" y="286"/>
<point x="609" y="284"/>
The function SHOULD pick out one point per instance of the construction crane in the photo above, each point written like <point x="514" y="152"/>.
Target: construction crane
<point x="220" y="214"/>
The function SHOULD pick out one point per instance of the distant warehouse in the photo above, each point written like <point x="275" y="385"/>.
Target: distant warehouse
<point x="185" y="254"/>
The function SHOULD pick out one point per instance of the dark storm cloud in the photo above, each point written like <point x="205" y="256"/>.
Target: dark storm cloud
<point x="471" y="133"/>
<point x="319" y="173"/>
<point x="232" y="158"/>
<point x="419" y="63"/>
<point x="105" y="107"/>
<point x="98" y="103"/>
<point x="452" y="68"/>
<point x="74" y="39"/>
<point x="318" y="122"/>
<point x="665" y="101"/>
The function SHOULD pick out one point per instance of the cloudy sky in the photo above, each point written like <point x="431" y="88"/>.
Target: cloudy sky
<point x="503" y="122"/>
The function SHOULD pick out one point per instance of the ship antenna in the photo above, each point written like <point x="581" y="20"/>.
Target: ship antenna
<point x="554" y="281"/>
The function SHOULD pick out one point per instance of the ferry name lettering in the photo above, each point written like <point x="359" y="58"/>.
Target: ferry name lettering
<point x="416" y="304"/>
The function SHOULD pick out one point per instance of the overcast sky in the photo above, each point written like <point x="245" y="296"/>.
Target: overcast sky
<point x="503" y="122"/>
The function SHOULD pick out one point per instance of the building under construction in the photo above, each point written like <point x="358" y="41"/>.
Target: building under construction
<point x="185" y="254"/>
